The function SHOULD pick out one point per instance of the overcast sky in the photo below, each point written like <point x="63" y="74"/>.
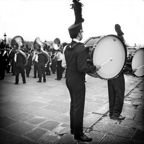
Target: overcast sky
<point x="49" y="19"/>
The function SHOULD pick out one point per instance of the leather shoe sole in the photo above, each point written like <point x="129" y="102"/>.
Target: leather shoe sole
<point x="117" y="117"/>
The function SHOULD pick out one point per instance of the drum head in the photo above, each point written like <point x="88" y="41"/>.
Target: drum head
<point x="138" y="62"/>
<point x="110" y="53"/>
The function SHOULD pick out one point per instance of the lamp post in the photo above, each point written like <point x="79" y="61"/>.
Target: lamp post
<point x="5" y="37"/>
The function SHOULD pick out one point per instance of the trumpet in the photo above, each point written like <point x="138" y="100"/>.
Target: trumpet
<point x="18" y="44"/>
<point x="39" y="46"/>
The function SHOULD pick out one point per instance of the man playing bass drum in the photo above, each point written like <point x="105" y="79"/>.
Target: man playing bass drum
<point x="76" y="55"/>
<point x="116" y="88"/>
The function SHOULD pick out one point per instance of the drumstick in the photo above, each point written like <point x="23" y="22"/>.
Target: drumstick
<point x="106" y="62"/>
<point x="139" y="67"/>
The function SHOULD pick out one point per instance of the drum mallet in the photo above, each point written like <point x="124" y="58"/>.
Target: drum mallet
<point x="106" y="62"/>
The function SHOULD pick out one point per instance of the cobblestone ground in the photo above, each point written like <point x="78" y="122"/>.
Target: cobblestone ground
<point x="39" y="112"/>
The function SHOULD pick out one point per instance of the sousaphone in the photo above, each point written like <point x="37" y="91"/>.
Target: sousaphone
<point x="18" y="44"/>
<point x="39" y="46"/>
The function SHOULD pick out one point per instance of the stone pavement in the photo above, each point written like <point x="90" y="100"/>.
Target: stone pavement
<point x="39" y="112"/>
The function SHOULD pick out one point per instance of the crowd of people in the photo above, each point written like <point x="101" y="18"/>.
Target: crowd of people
<point x="9" y="61"/>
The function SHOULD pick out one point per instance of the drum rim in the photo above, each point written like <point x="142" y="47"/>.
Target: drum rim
<point x="101" y="37"/>
<point x="133" y="57"/>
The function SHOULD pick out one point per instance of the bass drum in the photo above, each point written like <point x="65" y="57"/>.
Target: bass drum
<point x="138" y="62"/>
<point x="110" y="53"/>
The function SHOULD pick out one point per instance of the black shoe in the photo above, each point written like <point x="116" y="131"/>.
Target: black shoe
<point x="24" y="82"/>
<point x="83" y="138"/>
<point x="72" y="132"/>
<point x="34" y="77"/>
<point x="39" y="81"/>
<point x="110" y="115"/>
<point x="117" y="117"/>
<point x="57" y="79"/>
<point x="16" y="83"/>
<point x="44" y="80"/>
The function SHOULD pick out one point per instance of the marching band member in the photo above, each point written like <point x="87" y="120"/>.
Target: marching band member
<point x="12" y="61"/>
<point x="20" y="58"/>
<point x="58" y="58"/>
<point x="43" y="58"/>
<point x="116" y="88"/>
<point x="76" y="62"/>
<point x="3" y="60"/>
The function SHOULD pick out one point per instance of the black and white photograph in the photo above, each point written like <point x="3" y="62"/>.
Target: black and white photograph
<point x="71" y="71"/>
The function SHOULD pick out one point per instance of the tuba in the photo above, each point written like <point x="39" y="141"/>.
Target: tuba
<point x="39" y="46"/>
<point x="18" y="44"/>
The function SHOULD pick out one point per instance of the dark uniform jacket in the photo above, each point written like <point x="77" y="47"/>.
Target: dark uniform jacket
<point x="76" y="56"/>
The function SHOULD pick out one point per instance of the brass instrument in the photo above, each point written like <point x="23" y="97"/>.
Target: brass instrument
<point x="18" y="44"/>
<point x="39" y="46"/>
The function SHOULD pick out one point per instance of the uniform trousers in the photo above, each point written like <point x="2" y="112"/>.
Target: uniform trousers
<point x="116" y="90"/>
<point x="35" y="69"/>
<point x="20" y="69"/>
<point x="59" y="70"/>
<point x="76" y="87"/>
<point x="41" y="71"/>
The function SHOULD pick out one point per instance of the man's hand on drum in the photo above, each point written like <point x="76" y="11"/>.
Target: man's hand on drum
<point x="98" y="67"/>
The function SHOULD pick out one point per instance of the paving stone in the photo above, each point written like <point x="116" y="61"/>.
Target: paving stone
<point x="103" y="127"/>
<point x="57" y="108"/>
<point x="107" y="120"/>
<point x="139" y="117"/>
<point x="62" y="130"/>
<point x="30" y="109"/>
<point x="22" y="100"/>
<point x="140" y="102"/>
<point x="49" y="125"/>
<point x="135" y="95"/>
<point x="66" y="139"/>
<point x="29" y="117"/>
<point x="112" y="139"/>
<point x="49" y="139"/>
<point x="2" y="113"/>
<point x="64" y="118"/>
<point x="47" y="114"/>
<point x="19" y="128"/>
<point x="122" y="131"/>
<point x="5" y="121"/>
<point x="12" y="105"/>
<point x="4" y="98"/>
<point x="44" y="99"/>
<point x="103" y="109"/>
<point x="96" y="137"/>
<point x="140" y="107"/>
<point x="90" y="120"/>
<point x="19" y="117"/>
<point x="36" y="134"/>
<point x="133" y="124"/>
<point x="128" y="115"/>
<point x="9" y="138"/>
<point x="36" y="120"/>
<point x="60" y="103"/>
<point x="11" y="112"/>
<point x="37" y="104"/>
<point x="138" y="136"/>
